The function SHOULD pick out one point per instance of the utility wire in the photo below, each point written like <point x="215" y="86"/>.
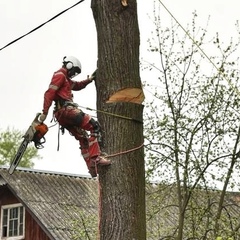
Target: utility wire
<point x="17" y="39"/>
<point x="220" y="71"/>
<point x="192" y="39"/>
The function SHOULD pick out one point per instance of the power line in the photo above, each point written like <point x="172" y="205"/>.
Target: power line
<point x="219" y="70"/>
<point x="17" y="39"/>
<point x="192" y="39"/>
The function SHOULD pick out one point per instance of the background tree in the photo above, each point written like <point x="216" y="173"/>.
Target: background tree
<point x="119" y="98"/>
<point x="86" y="227"/>
<point x="10" y="140"/>
<point x="192" y="126"/>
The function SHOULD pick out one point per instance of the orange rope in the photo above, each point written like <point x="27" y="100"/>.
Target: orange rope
<point x="99" y="207"/>
<point x="100" y="188"/>
<point x="120" y="153"/>
<point x="124" y="152"/>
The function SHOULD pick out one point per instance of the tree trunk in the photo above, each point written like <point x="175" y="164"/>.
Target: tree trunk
<point x="120" y="110"/>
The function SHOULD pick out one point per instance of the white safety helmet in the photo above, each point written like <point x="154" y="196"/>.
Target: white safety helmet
<point x="73" y="65"/>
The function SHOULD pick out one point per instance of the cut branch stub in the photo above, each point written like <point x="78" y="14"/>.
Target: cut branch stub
<point x="124" y="3"/>
<point x="134" y="95"/>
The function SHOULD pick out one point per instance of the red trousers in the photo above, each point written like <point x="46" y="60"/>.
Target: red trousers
<point x="77" y="123"/>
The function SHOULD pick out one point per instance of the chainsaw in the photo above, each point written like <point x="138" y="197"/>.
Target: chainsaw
<point x="35" y="134"/>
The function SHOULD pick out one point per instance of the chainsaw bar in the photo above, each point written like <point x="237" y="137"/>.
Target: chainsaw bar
<point x="18" y="156"/>
<point x="28" y="137"/>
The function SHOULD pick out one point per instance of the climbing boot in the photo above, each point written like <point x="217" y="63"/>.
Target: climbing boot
<point x="100" y="161"/>
<point x="97" y="161"/>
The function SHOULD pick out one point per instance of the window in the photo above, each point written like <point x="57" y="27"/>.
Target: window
<point x="12" y="221"/>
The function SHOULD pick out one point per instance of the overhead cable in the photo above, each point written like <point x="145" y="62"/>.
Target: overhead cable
<point x="219" y="70"/>
<point x="17" y="39"/>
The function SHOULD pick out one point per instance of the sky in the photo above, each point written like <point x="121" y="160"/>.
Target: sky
<point x="27" y="65"/>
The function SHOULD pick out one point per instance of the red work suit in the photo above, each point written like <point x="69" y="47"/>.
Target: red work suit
<point x="69" y="116"/>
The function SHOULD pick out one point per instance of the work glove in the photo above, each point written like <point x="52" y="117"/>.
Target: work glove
<point x="93" y="76"/>
<point x="42" y="117"/>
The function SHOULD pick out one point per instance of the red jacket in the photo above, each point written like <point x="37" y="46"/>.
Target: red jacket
<point x="61" y="88"/>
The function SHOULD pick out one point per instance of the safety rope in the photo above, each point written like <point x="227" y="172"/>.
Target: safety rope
<point x="117" y="154"/>
<point x="113" y="114"/>
<point x="124" y="152"/>
<point x="99" y="183"/>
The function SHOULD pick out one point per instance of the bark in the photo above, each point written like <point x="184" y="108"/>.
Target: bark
<point x="119" y="98"/>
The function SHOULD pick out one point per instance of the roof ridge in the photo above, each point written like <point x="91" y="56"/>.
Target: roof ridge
<point x="42" y="171"/>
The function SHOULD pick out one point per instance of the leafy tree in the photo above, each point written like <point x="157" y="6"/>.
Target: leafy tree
<point x="85" y="227"/>
<point x="192" y="126"/>
<point x="10" y="140"/>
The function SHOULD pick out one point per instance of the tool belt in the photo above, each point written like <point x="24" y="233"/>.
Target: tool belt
<point x="64" y="103"/>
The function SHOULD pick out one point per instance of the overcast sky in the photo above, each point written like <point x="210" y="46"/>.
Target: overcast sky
<point x="26" y="67"/>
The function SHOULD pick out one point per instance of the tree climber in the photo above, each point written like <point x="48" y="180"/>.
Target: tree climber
<point x="70" y="117"/>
